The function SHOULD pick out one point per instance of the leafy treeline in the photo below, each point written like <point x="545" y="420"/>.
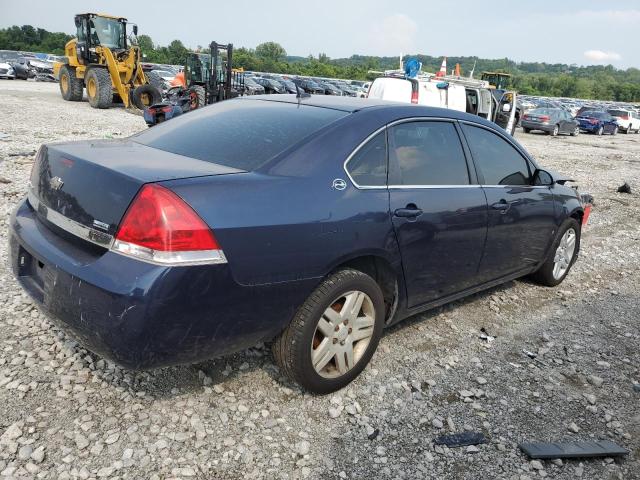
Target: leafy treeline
<point x="30" y="39"/>
<point x="533" y="78"/>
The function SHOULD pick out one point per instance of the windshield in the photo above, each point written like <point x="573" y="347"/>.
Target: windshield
<point x="618" y="113"/>
<point x="107" y="32"/>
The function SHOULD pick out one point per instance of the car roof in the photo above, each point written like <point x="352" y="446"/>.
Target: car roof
<point x="355" y="104"/>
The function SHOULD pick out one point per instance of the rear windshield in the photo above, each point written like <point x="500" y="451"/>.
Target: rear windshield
<point x="543" y="111"/>
<point x="618" y="113"/>
<point x="242" y="134"/>
<point x="593" y="114"/>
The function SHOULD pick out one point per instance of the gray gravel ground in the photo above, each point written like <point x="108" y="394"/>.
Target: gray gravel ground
<point x="66" y="413"/>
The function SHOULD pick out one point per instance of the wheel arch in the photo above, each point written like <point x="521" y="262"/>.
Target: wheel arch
<point x="383" y="272"/>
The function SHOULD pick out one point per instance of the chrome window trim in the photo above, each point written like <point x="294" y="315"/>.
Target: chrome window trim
<point x="70" y="226"/>
<point x="383" y="128"/>
<point x="354" y="152"/>
<point x="399" y="187"/>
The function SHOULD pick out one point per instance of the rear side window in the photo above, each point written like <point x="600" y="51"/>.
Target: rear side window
<point x="426" y="153"/>
<point x="498" y="161"/>
<point x="242" y="134"/>
<point x="368" y="167"/>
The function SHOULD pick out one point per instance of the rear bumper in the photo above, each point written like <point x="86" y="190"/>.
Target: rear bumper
<point x="545" y="127"/>
<point x="589" y="127"/>
<point x="141" y="315"/>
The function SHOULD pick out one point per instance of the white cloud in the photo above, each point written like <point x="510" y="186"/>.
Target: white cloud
<point x="612" y="16"/>
<point x="600" y="56"/>
<point x="393" y="35"/>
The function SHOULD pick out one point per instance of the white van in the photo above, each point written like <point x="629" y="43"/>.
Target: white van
<point x="471" y="96"/>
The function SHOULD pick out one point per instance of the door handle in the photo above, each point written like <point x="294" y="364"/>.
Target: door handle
<point x="502" y="205"/>
<point x="411" y="211"/>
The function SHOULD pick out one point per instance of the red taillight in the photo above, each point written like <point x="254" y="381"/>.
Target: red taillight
<point x="414" y="96"/>
<point x="544" y="118"/>
<point x="160" y="227"/>
<point x="167" y="109"/>
<point x="593" y="121"/>
<point x="525" y="116"/>
<point x="587" y="212"/>
<point x="625" y="117"/>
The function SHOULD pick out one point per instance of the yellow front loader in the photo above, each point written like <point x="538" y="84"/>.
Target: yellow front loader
<point x="105" y="61"/>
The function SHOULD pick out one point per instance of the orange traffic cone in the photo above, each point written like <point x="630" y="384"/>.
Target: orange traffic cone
<point x="443" y="68"/>
<point x="457" y="69"/>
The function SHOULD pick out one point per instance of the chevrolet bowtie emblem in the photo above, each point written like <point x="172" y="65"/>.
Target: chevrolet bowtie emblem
<point x="56" y="183"/>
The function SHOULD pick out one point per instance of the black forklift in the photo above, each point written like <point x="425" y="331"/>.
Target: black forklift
<point x="208" y="78"/>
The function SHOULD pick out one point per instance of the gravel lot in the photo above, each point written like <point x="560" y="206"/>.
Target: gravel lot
<point x="66" y="413"/>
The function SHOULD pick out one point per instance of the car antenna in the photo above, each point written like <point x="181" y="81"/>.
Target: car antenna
<point x="301" y="94"/>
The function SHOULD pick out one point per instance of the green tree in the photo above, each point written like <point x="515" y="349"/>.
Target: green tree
<point x="271" y="51"/>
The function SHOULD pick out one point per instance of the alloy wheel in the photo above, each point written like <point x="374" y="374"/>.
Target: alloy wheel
<point x="343" y="334"/>
<point x="564" y="254"/>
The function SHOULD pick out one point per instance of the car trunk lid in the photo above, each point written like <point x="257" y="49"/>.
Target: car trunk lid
<point x="86" y="187"/>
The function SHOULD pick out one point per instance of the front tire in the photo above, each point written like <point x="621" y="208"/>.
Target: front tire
<point x="562" y="255"/>
<point x="576" y="132"/>
<point x="526" y="130"/>
<point x="334" y="334"/>
<point x="99" y="88"/>
<point x="555" y="131"/>
<point x="600" y="131"/>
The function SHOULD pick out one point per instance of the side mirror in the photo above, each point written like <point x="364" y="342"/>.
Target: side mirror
<point x="542" y="178"/>
<point x="135" y="30"/>
<point x="506" y="107"/>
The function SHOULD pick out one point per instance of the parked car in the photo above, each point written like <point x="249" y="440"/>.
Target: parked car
<point x="627" y="120"/>
<point x="309" y="86"/>
<point x="289" y="86"/>
<point x="6" y="71"/>
<point x="286" y="219"/>
<point x="270" y="86"/>
<point x="597" y="122"/>
<point x="552" y="121"/>
<point x="251" y="87"/>
<point x="23" y="69"/>
<point x="329" y="88"/>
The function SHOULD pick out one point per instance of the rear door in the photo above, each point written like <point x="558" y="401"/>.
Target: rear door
<point x="521" y="215"/>
<point x="439" y="212"/>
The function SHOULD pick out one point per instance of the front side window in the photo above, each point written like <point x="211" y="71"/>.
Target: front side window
<point x="426" y="153"/>
<point x="368" y="166"/>
<point x="498" y="161"/>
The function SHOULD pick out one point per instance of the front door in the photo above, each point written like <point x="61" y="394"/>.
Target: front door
<point x="439" y="213"/>
<point x="521" y="215"/>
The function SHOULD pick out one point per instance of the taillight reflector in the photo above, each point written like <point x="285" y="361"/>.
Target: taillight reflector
<point x="414" y="96"/>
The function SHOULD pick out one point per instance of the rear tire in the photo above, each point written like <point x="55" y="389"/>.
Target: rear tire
<point x="615" y="131"/>
<point x="559" y="254"/>
<point x="556" y="130"/>
<point x="629" y="130"/>
<point x="576" y="132"/>
<point x="526" y="130"/>
<point x="600" y="131"/>
<point x="314" y="348"/>
<point x="70" y="85"/>
<point x="99" y="87"/>
<point x="146" y="95"/>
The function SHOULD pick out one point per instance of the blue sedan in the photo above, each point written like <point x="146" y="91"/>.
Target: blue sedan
<point x="597" y="122"/>
<point x="313" y="222"/>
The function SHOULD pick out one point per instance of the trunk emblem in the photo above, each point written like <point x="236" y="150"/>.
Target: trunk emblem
<point x="56" y="183"/>
<point x="101" y="225"/>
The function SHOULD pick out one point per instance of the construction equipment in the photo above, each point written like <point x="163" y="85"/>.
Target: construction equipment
<point x="498" y="80"/>
<point x="207" y="78"/>
<point x="106" y="61"/>
<point x="210" y="77"/>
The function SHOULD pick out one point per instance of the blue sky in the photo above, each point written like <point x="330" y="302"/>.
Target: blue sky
<point x="560" y="31"/>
